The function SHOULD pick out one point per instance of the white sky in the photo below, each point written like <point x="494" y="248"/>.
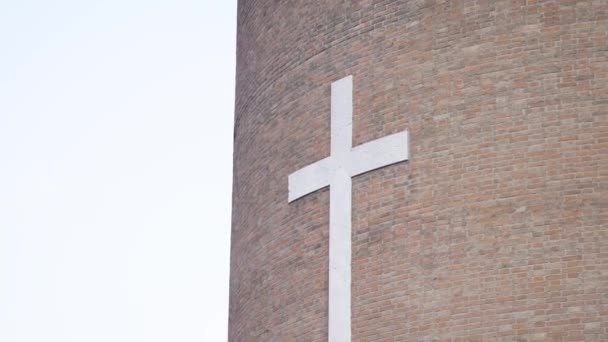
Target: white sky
<point x="115" y="169"/>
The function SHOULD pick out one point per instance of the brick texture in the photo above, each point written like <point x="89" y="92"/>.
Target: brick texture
<point x="496" y="229"/>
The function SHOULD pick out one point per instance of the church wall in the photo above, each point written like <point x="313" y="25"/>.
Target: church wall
<point x="497" y="226"/>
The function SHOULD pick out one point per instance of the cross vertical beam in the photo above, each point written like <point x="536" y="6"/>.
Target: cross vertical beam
<point x="336" y="171"/>
<point x="340" y="194"/>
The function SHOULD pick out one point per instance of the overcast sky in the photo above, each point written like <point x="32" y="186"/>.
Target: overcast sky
<point x="115" y="169"/>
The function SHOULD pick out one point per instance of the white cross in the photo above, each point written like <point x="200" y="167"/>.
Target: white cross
<point x="336" y="171"/>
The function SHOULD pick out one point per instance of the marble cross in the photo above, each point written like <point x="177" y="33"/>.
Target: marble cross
<point x="336" y="171"/>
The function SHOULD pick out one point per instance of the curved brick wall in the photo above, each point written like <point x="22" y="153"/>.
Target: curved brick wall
<point x="497" y="227"/>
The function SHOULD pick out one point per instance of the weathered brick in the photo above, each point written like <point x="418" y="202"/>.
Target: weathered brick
<point x="497" y="226"/>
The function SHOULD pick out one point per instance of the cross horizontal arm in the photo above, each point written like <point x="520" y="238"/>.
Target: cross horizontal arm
<point x="378" y="153"/>
<point x="309" y="179"/>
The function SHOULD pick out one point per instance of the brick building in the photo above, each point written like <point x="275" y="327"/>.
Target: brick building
<point x="494" y="229"/>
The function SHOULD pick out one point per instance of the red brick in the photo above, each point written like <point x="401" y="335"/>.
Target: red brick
<point x="494" y="229"/>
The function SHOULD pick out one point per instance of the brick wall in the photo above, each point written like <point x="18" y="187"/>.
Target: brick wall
<point x="497" y="226"/>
